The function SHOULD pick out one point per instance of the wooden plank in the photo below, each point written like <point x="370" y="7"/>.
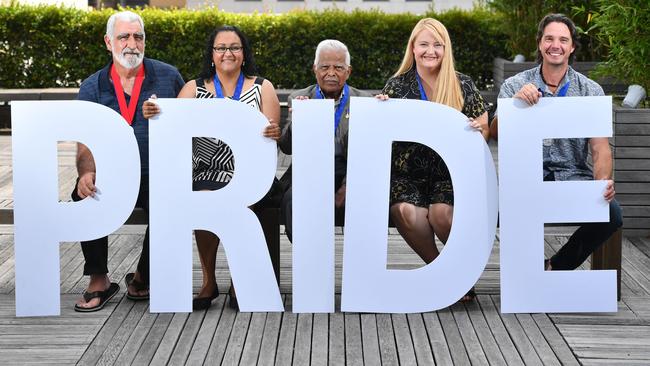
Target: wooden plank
<point x="632" y="285"/>
<point x="302" y="347"/>
<point x="468" y="334"/>
<point x="626" y="199"/>
<point x="251" y="349"/>
<point x="640" y="141"/>
<point x="319" y="343"/>
<point x="638" y="261"/>
<point x="170" y="338"/>
<point x="137" y="338"/>
<point x="437" y="339"/>
<point x="118" y="340"/>
<point x="270" y="339"/>
<point x="555" y="340"/>
<point x="636" y="222"/>
<point x="623" y="316"/>
<point x="603" y="341"/>
<point x="284" y="353"/>
<point x="370" y="340"/>
<point x="152" y="340"/>
<point x="622" y="129"/>
<point x="519" y="338"/>
<point x="485" y="336"/>
<point x="637" y="232"/>
<point x="454" y="339"/>
<point x="621" y="164"/>
<point x="337" y="339"/>
<point x="237" y="338"/>
<point x="609" y="361"/>
<point x="353" y="348"/>
<point x="631" y="115"/>
<point x="641" y="244"/>
<point x="95" y="350"/>
<point x="201" y="344"/>
<point x="636" y="211"/>
<point x="632" y="188"/>
<point x="221" y="336"/>
<point x="632" y="176"/>
<point x="423" y="352"/>
<point x="538" y="341"/>
<point x="405" y="350"/>
<point x="386" y="338"/>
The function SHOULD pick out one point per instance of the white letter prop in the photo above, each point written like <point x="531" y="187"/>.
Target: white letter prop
<point x="527" y="202"/>
<point x="367" y="284"/>
<point x="40" y="220"/>
<point x="313" y="205"/>
<point x="176" y="210"/>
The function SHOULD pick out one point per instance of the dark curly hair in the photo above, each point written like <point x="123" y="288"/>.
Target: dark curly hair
<point x="559" y="18"/>
<point x="248" y="66"/>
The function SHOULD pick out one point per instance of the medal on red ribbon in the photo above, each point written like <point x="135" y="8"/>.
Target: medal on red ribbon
<point x="127" y="112"/>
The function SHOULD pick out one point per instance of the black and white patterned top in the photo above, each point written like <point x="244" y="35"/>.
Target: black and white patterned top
<point x="567" y="159"/>
<point x="212" y="159"/>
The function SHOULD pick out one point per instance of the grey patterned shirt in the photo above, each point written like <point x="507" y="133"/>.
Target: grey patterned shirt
<point x="567" y="159"/>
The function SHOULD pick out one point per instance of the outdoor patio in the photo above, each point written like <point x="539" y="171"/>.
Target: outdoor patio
<point x="475" y="333"/>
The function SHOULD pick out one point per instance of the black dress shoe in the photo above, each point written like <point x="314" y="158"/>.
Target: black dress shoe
<point x="200" y="303"/>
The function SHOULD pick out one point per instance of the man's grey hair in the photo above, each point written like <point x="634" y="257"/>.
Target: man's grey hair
<point x="126" y="16"/>
<point x="332" y="45"/>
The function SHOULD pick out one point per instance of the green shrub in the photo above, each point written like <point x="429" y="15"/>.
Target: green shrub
<point x="623" y="28"/>
<point x="48" y="46"/>
<point x="519" y="20"/>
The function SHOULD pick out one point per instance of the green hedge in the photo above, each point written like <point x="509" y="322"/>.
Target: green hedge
<point x="48" y="46"/>
<point x="623" y="27"/>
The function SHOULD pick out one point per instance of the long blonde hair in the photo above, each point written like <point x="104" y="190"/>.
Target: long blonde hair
<point x="448" y="90"/>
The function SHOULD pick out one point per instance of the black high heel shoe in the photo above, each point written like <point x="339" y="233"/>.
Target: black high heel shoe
<point x="200" y="303"/>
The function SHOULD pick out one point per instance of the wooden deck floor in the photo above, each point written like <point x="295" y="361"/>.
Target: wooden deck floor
<point x="464" y="334"/>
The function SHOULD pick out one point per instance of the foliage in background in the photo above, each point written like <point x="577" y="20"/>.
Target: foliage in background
<point x="49" y="46"/>
<point x="622" y="26"/>
<point x="519" y="19"/>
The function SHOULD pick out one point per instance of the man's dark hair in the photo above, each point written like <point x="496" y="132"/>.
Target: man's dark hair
<point x="559" y="18"/>
<point x="248" y="67"/>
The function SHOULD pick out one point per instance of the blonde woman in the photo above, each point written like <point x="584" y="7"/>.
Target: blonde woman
<point x="421" y="194"/>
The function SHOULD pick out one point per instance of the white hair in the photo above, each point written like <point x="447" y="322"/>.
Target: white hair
<point x="332" y="45"/>
<point x="127" y="16"/>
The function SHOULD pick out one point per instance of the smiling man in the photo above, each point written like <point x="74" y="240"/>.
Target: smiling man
<point x="566" y="159"/>
<point x="332" y="69"/>
<point x="123" y="85"/>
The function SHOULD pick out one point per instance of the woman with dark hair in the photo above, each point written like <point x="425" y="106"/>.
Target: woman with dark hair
<point x="228" y="72"/>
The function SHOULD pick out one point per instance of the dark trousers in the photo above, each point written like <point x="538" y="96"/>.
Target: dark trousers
<point x="586" y="239"/>
<point x="96" y="251"/>
<point x="287" y="211"/>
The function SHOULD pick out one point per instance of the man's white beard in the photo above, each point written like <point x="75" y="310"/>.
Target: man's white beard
<point x="128" y="60"/>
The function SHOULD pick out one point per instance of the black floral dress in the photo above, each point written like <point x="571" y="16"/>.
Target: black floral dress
<point x="418" y="174"/>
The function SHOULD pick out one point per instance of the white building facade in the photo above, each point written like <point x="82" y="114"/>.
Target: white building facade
<point x="283" y="6"/>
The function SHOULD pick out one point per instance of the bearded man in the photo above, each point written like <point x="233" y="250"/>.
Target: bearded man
<point x="123" y="85"/>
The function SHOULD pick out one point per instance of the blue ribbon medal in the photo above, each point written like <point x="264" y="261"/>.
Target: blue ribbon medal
<point x="238" y="88"/>
<point x="339" y="111"/>
<point x="423" y="94"/>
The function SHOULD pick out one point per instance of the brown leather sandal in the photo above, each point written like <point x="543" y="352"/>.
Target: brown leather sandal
<point x="139" y="286"/>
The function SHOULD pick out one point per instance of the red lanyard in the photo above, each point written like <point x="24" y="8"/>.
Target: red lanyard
<point x="127" y="113"/>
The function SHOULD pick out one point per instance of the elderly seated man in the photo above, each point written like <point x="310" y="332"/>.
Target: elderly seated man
<point x="332" y="69"/>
